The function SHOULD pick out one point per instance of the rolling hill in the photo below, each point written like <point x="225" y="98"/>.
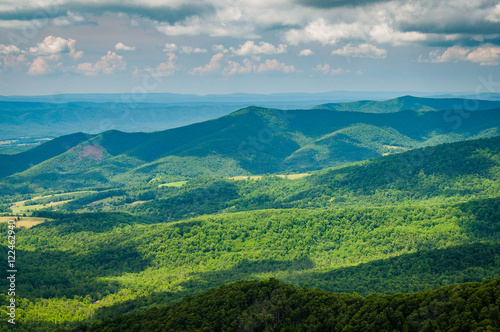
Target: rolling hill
<point x="250" y="141"/>
<point x="406" y="103"/>
<point x="407" y="222"/>
<point x="273" y="306"/>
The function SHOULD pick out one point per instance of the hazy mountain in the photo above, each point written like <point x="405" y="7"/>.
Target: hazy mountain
<point x="414" y="104"/>
<point x="259" y="140"/>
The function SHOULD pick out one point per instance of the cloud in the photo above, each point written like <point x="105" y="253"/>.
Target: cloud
<point x="452" y="54"/>
<point x="219" y="48"/>
<point x="161" y="11"/>
<point x="326" y="69"/>
<point x="189" y="50"/>
<point x="9" y="49"/>
<point x="56" y="45"/>
<point x="274" y="65"/>
<point x="12" y="60"/>
<point x="234" y="67"/>
<point x="122" y="47"/>
<point x="41" y="65"/>
<point x="361" y="51"/>
<point x="485" y="56"/>
<point x="170" y="47"/>
<point x="249" y="48"/>
<point x="213" y="27"/>
<point x="108" y="64"/>
<point x="328" y="4"/>
<point x="212" y="66"/>
<point x="306" y="52"/>
<point x="163" y="69"/>
<point x="321" y="31"/>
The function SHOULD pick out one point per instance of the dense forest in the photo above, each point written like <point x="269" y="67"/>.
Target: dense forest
<point x="272" y="306"/>
<point x="107" y="246"/>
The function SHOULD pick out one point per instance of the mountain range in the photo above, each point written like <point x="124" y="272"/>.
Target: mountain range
<point x="254" y="140"/>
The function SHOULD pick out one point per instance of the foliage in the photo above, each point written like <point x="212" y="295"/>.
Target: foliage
<point x="273" y="306"/>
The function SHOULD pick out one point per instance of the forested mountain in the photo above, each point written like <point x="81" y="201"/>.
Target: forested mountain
<point x="52" y="116"/>
<point x="135" y="231"/>
<point x="273" y="306"/>
<point x="428" y="175"/>
<point x="251" y="141"/>
<point x="406" y="103"/>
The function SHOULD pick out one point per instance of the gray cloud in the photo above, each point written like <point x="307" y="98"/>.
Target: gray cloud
<point x="156" y="13"/>
<point x="337" y="3"/>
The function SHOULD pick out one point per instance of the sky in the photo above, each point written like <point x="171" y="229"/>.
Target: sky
<point x="258" y="46"/>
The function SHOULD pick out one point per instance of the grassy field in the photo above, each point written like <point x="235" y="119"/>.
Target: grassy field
<point x="20" y="208"/>
<point x="173" y="184"/>
<point x="257" y="177"/>
<point x="26" y="222"/>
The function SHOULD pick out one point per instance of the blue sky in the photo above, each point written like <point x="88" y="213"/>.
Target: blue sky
<point x="226" y="46"/>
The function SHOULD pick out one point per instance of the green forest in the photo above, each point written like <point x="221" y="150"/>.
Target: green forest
<point x="188" y="235"/>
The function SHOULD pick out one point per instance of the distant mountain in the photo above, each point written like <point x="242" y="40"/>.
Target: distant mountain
<point x="169" y="98"/>
<point x="40" y="119"/>
<point x="32" y="118"/>
<point x="413" y="103"/>
<point x="254" y="141"/>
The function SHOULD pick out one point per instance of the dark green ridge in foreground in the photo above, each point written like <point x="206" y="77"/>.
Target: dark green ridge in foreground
<point x="274" y="306"/>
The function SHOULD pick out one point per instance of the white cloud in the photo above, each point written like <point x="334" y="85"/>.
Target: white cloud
<point x="166" y="68"/>
<point x="234" y="67"/>
<point x="306" y="52"/>
<point x="122" y="47"/>
<point x="494" y="15"/>
<point x="220" y="25"/>
<point x="9" y="49"/>
<point x="361" y="51"/>
<point x="326" y="69"/>
<point x="11" y="60"/>
<point x="274" y="65"/>
<point x="212" y="66"/>
<point x="189" y="50"/>
<point x="170" y="47"/>
<point x="219" y="48"/>
<point x="384" y="33"/>
<point x="56" y="45"/>
<point x="325" y="33"/>
<point x="41" y="64"/>
<point x="452" y="54"/>
<point x="108" y="64"/>
<point x="249" y="47"/>
<point x="255" y="66"/>
<point x="485" y="55"/>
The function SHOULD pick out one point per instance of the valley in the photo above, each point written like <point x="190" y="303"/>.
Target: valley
<point x="400" y="198"/>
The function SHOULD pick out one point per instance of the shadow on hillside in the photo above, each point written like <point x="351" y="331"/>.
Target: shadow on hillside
<point x="98" y="222"/>
<point x="412" y="272"/>
<point x="200" y="282"/>
<point x="57" y="273"/>
<point x="486" y="221"/>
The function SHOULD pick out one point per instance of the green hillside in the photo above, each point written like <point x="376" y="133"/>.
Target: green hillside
<point x="129" y="264"/>
<point x="250" y="141"/>
<point x="274" y="306"/>
<point x="19" y="162"/>
<point x="380" y="205"/>
<point x="412" y="103"/>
